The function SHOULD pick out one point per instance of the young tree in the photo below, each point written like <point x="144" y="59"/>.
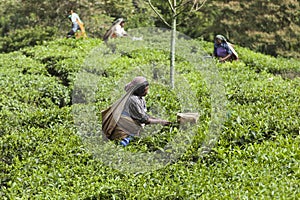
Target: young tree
<point x="177" y="7"/>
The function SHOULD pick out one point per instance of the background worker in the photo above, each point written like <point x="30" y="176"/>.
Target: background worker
<point x="116" y="30"/>
<point x="223" y="50"/>
<point x="119" y="30"/>
<point x="77" y="24"/>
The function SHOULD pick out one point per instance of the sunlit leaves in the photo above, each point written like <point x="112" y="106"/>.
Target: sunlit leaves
<point x="41" y="157"/>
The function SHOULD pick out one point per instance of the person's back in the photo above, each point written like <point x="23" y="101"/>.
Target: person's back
<point x="75" y="18"/>
<point x="78" y="29"/>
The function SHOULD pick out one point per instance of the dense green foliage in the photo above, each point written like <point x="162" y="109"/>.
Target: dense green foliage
<point x="270" y="27"/>
<point x="42" y="157"/>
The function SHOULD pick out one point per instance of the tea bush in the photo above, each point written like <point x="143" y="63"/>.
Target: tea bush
<point x="43" y="157"/>
<point x="278" y="66"/>
<point x="31" y="36"/>
<point x="259" y="103"/>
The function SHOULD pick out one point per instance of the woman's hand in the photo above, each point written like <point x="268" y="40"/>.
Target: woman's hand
<point x="225" y="58"/>
<point x="158" y="121"/>
<point x="165" y="122"/>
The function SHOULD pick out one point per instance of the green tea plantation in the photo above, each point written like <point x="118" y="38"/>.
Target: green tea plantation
<point x="42" y="156"/>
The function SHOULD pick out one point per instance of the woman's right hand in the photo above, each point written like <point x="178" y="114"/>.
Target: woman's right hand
<point x="165" y="122"/>
<point x="158" y="121"/>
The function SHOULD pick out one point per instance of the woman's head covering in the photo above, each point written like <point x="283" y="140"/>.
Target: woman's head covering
<point x="139" y="82"/>
<point x="221" y="37"/>
<point x="118" y="21"/>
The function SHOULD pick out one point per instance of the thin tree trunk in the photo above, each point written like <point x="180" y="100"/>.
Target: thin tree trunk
<point x="172" y="52"/>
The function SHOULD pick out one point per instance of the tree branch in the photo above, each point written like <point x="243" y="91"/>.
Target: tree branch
<point x="181" y="3"/>
<point x="196" y="6"/>
<point x="159" y="15"/>
<point x="171" y="6"/>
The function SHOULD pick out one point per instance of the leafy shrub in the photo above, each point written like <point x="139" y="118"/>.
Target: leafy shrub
<point x="42" y="156"/>
<point x="288" y="68"/>
<point x="26" y="37"/>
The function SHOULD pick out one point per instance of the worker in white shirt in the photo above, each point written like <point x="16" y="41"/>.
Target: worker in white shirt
<point x="120" y="31"/>
<point x="76" y="22"/>
<point x="116" y="30"/>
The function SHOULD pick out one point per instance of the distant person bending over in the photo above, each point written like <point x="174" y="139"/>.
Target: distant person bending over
<point x="128" y="115"/>
<point x="223" y="50"/>
<point x="120" y="31"/>
<point x="76" y="24"/>
<point x="116" y="30"/>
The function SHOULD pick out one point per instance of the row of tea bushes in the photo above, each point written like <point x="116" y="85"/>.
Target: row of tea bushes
<point x="42" y="157"/>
